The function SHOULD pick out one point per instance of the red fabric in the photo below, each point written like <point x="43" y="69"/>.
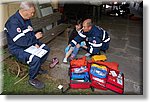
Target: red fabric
<point x="111" y="65"/>
<point x="114" y="88"/>
<point x="97" y="85"/>
<point x="113" y="85"/>
<point x="94" y="83"/>
<point x="108" y="82"/>
<point x="83" y="85"/>
<point x="78" y="62"/>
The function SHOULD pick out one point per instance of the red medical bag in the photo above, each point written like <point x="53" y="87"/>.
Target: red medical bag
<point x="79" y="76"/>
<point x="97" y="82"/>
<point x="115" y="81"/>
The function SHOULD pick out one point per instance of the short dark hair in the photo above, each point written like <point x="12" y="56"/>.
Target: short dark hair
<point x="79" y="22"/>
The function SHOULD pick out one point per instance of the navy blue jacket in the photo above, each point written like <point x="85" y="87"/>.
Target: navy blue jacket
<point x="97" y="39"/>
<point x="20" y="33"/>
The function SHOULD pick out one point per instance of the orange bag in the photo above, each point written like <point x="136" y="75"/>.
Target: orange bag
<point x="79" y="62"/>
<point x="99" y="58"/>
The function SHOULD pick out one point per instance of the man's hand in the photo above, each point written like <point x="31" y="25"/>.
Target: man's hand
<point x="38" y="35"/>
<point x="37" y="46"/>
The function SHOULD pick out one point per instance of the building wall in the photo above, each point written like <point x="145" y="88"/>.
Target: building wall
<point x="6" y="10"/>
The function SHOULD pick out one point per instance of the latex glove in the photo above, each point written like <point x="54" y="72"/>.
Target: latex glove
<point x="82" y="43"/>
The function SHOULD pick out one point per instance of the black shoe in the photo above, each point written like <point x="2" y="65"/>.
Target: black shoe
<point x="43" y="72"/>
<point x="36" y="83"/>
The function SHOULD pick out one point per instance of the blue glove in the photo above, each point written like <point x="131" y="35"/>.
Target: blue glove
<point x="82" y="43"/>
<point x="67" y="49"/>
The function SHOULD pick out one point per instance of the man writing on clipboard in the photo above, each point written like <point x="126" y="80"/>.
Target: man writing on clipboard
<point x="21" y="37"/>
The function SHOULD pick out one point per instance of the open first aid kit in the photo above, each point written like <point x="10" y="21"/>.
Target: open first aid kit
<point x="79" y="76"/>
<point x="115" y="81"/>
<point x="96" y="73"/>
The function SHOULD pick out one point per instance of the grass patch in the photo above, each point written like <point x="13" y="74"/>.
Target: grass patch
<point x="23" y="87"/>
<point x="51" y="84"/>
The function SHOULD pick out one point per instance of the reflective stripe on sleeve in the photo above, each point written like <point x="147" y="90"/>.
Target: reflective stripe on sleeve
<point x="81" y="35"/>
<point x="73" y="41"/>
<point x="95" y="45"/>
<point x="104" y="34"/>
<point x="107" y="40"/>
<point x="26" y="31"/>
<point x="20" y="35"/>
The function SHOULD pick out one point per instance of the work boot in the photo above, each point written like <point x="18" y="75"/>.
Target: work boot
<point x="36" y="83"/>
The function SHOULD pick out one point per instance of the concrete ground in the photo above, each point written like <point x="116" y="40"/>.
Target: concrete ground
<point x="126" y="48"/>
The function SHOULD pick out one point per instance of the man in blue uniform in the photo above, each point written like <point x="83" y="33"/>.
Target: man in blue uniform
<point x="96" y="38"/>
<point x="20" y="37"/>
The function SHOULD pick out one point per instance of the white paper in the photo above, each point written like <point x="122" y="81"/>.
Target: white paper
<point x="60" y="87"/>
<point x="36" y="51"/>
<point x="113" y="73"/>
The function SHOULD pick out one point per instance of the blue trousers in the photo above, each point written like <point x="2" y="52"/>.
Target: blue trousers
<point x="75" y="52"/>
<point x="34" y="64"/>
